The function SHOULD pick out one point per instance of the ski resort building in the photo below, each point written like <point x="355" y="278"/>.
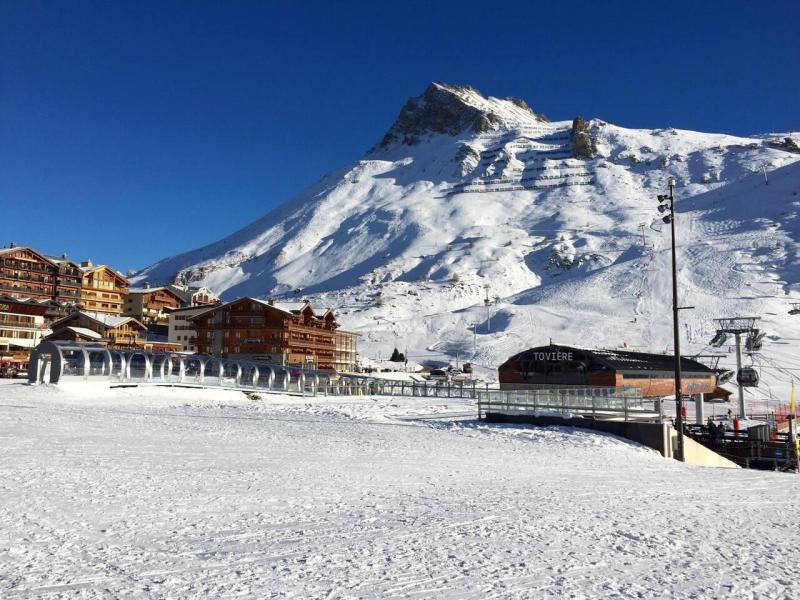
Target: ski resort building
<point x="289" y="333"/>
<point x="112" y="330"/>
<point x="25" y="273"/>
<point x="195" y="296"/>
<point x="151" y="305"/>
<point x="181" y="330"/>
<point x="22" y="323"/>
<point x="103" y="289"/>
<point x="565" y="366"/>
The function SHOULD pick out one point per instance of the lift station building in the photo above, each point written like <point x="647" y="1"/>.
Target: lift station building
<point x="565" y="366"/>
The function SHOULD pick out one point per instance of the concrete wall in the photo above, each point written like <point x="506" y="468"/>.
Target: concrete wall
<point x="659" y="436"/>
<point x="653" y="435"/>
<point x="697" y="454"/>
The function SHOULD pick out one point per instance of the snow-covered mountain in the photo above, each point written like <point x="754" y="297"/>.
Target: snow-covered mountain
<point x="469" y="196"/>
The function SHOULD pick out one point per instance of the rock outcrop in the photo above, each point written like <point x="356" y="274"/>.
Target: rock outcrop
<point x="584" y="144"/>
<point x="450" y="109"/>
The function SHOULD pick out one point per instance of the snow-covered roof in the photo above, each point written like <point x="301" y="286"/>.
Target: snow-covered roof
<point x="88" y="269"/>
<point x="105" y="319"/>
<point x="88" y="333"/>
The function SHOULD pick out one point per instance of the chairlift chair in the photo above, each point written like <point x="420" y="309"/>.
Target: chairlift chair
<point x="755" y="340"/>
<point x="724" y="376"/>
<point x="747" y="377"/>
<point x="719" y="339"/>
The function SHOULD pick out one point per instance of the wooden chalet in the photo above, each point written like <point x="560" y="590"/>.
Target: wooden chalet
<point x="290" y="333"/>
<point x="103" y="289"/>
<point x="565" y="366"/>
<point x="151" y="304"/>
<point x="26" y="273"/>
<point x="195" y="296"/>
<point x="114" y="330"/>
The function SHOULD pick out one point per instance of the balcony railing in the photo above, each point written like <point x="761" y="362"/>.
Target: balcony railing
<point x="26" y="289"/>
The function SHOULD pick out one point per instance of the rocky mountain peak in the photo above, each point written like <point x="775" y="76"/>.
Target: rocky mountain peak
<point x="450" y="109"/>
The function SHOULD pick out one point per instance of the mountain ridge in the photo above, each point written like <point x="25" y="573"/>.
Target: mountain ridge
<point x="529" y="208"/>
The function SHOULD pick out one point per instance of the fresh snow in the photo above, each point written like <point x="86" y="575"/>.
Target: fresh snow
<point x="166" y="492"/>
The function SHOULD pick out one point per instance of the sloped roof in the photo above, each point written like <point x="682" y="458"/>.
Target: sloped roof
<point x="184" y="295"/>
<point x="156" y="289"/>
<point x="624" y="360"/>
<point x="98" y="267"/>
<point x="107" y="320"/>
<point x="88" y="333"/>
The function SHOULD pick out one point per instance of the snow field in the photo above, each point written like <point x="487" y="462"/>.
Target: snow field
<point x="150" y="493"/>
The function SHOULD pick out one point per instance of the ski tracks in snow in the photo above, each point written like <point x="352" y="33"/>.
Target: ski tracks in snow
<point x="144" y="496"/>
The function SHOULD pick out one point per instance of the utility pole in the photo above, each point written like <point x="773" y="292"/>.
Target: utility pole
<point x="487" y="302"/>
<point x="474" y="340"/>
<point x="738" y="370"/>
<point x="670" y="218"/>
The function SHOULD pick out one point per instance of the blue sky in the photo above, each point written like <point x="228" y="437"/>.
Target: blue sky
<point x="135" y="130"/>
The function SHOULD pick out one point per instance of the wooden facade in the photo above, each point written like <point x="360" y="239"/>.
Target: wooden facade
<point x="195" y="296"/>
<point x="103" y="289"/>
<point x="25" y="273"/>
<point x="564" y="366"/>
<point x="151" y="305"/>
<point x="283" y="333"/>
<point x="117" y="332"/>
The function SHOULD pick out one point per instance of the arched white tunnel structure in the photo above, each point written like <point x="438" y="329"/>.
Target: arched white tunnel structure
<point x="62" y="361"/>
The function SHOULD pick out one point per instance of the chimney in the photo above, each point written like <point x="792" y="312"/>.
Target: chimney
<point x="271" y="301"/>
<point x="146" y="285"/>
<point x="64" y="256"/>
<point x="12" y="245"/>
<point x="87" y="264"/>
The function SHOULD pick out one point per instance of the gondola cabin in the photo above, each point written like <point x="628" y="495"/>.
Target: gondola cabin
<point x="564" y="366"/>
<point x="747" y="377"/>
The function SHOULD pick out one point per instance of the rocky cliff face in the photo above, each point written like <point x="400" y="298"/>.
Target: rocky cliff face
<point x="584" y="144"/>
<point x="451" y="109"/>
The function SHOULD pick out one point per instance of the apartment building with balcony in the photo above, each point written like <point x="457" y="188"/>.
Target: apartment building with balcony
<point x="22" y="323"/>
<point x="103" y="289"/>
<point x="181" y="329"/>
<point x="289" y="333"/>
<point x="151" y="305"/>
<point x="26" y="273"/>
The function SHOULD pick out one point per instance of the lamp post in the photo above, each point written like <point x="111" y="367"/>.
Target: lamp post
<point x="670" y="218"/>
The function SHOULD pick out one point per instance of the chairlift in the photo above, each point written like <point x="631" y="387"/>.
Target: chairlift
<point x="719" y="339"/>
<point x="724" y="376"/>
<point x="754" y="340"/>
<point x="747" y="377"/>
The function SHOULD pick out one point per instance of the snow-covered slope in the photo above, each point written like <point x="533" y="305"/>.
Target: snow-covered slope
<point x="556" y="222"/>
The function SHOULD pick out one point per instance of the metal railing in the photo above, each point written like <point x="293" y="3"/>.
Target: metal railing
<point x="571" y="402"/>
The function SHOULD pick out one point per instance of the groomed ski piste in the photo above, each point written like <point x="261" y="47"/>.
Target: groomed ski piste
<point x="167" y="492"/>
